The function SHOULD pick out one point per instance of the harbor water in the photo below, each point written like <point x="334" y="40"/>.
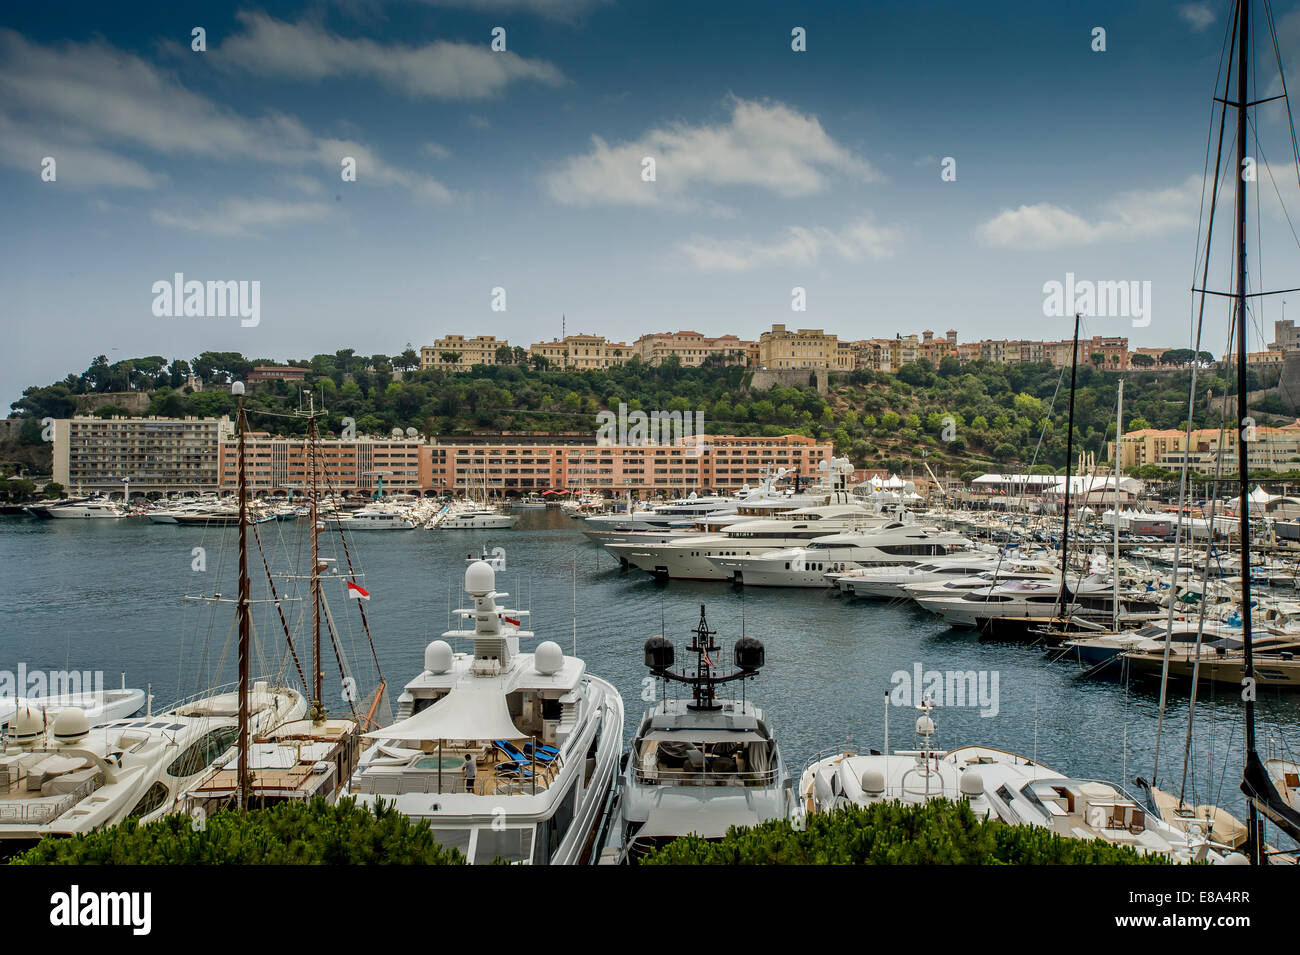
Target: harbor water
<point x="109" y="595"/>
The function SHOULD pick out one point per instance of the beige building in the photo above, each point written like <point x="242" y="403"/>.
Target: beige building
<point x="1272" y="449"/>
<point x="691" y="348"/>
<point x="806" y="348"/>
<point x="479" y="350"/>
<point x="161" y="455"/>
<point x="583" y="352"/>
<point x="277" y="464"/>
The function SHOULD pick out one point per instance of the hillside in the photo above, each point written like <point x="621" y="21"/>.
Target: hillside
<point x="961" y="417"/>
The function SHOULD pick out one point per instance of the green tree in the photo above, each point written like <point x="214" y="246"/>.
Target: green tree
<point x="931" y="833"/>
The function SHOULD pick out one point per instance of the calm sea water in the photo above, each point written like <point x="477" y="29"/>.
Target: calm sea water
<point x="110" y="596"/>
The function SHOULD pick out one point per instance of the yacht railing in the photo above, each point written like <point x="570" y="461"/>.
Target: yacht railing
<point x="659" y="776"/>
<point x="27" y="812"/>
<point x="849" y="747"/>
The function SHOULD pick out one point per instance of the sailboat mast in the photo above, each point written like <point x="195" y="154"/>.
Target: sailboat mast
<point x="243" y="606"/>
<point x="1069" y="455"/>
<point x="1114" y="569"/>
<point x="1254" y="829"/>
<point x="315" y="558"/>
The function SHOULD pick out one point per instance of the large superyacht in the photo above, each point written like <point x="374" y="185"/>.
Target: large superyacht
<point x="508" y="755"/>
<point x="700" y="765"/>
<point x="895" y="544"/>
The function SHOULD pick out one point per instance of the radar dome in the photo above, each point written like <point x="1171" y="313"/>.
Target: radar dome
<point x="972" y="784"/>
<point x="548" y="658"/>
<point x="873" y="782"/>
<point x="658" y="654"/>
<point x="71" y="725"/>
<point x="26" y="725"/>
<point x="480" y="578"/>
<point x="924" y="726"/>
<point x="437" y="657"/>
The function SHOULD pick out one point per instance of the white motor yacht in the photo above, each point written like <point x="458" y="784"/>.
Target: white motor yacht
<point x="887" y="582"/>
<point x="1024" y="792"/>
<point x="689" y="557"/>
<point x="68" y="777"/>
<point x="509" y="755"/>
<point x="851" y="777"/>
<point x="701" y="765"/>
<point x="895" y="544"/>
<point x="373" y="517"/>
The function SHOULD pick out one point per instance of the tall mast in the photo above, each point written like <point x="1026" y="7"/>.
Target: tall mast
<point x="1114" y="569"/>
<point x="1069" y="464"/>
<point x="243" y="607"/>
<point x="315" y="558"/>
<point x="1254" y="831"/>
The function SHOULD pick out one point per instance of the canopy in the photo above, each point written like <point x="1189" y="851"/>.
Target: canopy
<point x="469" y="711"/>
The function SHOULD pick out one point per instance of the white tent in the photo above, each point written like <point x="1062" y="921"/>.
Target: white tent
<point x="469" y="711"/>
<point x="894" y="482"/>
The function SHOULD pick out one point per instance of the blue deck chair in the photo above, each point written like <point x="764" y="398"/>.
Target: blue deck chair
<point x="543" y="751"/>
<point x="515" y="754"/>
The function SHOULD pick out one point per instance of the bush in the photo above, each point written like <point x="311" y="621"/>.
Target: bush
<point x="291" y="833"/>
<point x="933" y="833"/>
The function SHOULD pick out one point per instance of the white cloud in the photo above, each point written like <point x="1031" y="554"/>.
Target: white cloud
<point x="76" y="165"/>
<point x="436" y="150"/>
<point x="243" y="218"/>
<point x="106" y="95"/>
<point x="439" y="70"/>
<point x="1129" y="215"/>
<point x="762" y="145"/>
<point x="1198" y="15"/>
<point x="800" y="245"/>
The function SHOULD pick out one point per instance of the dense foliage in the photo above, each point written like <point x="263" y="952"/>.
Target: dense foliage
<point x="291" y="833"/>
<point x="963" y="417"/>
<point x="933" y="833"/>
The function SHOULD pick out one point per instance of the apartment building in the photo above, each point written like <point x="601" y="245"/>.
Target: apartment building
<point x="1274" y="449"/>
<point x="479" y="350"/>
<point x="276" y="465"/>
<point x="714" y="462"/>
<point x="691" y="348"/>
<point x="146" y="455"/>
<point x="936" y="350"/>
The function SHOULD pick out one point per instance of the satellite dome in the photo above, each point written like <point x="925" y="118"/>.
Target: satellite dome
<point x="873" y="782"/>
<point x="972" y="784"/>
<point x="658" y="654"/>
<point x="437" y="656"/>
<point x="71" y="725"/>
<point x="26" y="725"/>
<point x="548" y="658"/>
<point x="924" y="725"/>
<point x="480" y="578"/>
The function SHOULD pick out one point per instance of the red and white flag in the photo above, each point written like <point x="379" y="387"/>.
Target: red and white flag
<point x="511" y="620"/>
<point x="356" y="592"/>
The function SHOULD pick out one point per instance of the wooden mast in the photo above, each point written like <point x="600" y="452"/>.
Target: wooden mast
<point x="243" y="607"/>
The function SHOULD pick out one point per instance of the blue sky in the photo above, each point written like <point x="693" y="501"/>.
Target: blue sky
<point x="522" y="170"/>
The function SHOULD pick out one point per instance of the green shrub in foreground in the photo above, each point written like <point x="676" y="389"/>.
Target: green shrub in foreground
<point x="314" y="833"/>
<point x="934" y="833"/>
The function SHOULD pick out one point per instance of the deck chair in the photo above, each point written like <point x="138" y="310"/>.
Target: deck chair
<point x="516" y="755"/>
<point x="514" y="769"/>
<point x="542" y="751"/>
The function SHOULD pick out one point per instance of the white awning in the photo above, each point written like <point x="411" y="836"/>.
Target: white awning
<point x="469" y="711"/>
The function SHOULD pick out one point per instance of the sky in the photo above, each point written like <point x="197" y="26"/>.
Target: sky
<point x="522" y="169"/>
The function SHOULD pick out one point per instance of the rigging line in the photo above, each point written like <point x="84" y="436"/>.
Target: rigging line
<point x="1281" y="74"/>
<point x="1200" y="626"/>
<point x="1191" y="411"/>
<point x="1259" y="147"/>
<point x="270" y="582"/>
